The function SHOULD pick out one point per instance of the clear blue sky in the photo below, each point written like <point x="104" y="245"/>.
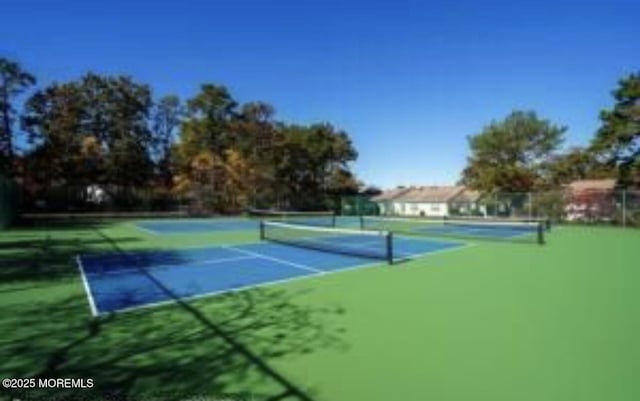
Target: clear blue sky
<point x="409" y="80"/>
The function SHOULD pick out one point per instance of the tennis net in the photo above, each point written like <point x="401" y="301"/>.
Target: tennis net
<point x="367" y="244"/>
<point x="508" y="231"/>
<point x="546" y="223"/>
<point x="321" y="219"/>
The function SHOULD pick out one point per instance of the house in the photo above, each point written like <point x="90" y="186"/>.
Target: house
<point x="589" y="200"/>
<point x="467" y="203"/>
<point x="427" y="201"/>
<point x="386" y="200"/>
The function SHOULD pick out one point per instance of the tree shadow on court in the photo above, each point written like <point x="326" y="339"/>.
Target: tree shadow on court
<point x="62" y="225"/>
<point x="42" y="250"/>
<point x="217" y="347"/>
<point x="33" y="257"/>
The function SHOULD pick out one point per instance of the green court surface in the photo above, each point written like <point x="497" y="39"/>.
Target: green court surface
<point x="493" y="321"/>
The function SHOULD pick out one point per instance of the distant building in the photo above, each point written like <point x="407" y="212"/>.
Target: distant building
<point x="428" y="201"/>
<point x="589" y="200"/>
<point x="467" y="203"/>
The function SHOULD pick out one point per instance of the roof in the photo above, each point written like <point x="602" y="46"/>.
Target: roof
<point x="592" y="185"/>
<point x="390" y="194"/>
<point x="431" y="193"/>
<point x="467" y="195"/>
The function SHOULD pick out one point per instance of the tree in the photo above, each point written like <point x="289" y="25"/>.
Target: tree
<point x="258" y="141"/>
<point x="53" y="119"/>
<point x="509" y="156"/>
<point x="207" y="123"/>
<point x="166" y="118"/>
<point x="342" y="181"/>
<point x="206" y="135"/>
<point x="254" y="130"/>
<point x="575" y="164"/>
<point x="618" y="139"/>
<point x="118" y="109"/>
<point x="109" y="112"/>
<point x="257" y="161"/>
<point x="216" y="183"/>
<point x="307" y="160"/>
<point x="13" y="82"/>
<point x="240" y="180"/>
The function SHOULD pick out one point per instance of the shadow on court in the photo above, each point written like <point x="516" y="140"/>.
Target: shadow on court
<point x="210" y="348"/>
<point x="43" y="255"/>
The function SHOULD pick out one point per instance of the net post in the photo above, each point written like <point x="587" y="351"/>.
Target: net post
<point x="540" y="233"/>
<point x="361" y="222"/>
<point x="389" y="245"/>
<point x="261" y="230"/>
<point x="333" y="219"/>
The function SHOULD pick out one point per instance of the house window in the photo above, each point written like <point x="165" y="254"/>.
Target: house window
<point x="435" y="208"/>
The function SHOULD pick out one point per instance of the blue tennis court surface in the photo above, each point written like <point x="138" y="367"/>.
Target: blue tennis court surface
<point x="190" y="226"/>
<point x="120" y="281"/>
<point x="478" y="231"/>
<point x="471" y="229"/>
<point x="195" y="226"/>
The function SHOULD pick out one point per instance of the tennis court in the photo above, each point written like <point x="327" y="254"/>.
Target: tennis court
<point x="319" y="318"/>
<point x="296" y="245"/>
<point x="521" y="231"/>
<point x="204" y="225"/>
<point x="124" y="281"/>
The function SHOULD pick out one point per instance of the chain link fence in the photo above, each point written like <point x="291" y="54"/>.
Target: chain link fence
<point x="358" y="205"/>
<point x="200" y="200"/>
<point x="613" y="207"/>
<point x="101" y="198"/>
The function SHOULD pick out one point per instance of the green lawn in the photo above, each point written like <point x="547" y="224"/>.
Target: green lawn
<point x="495" y="321"/>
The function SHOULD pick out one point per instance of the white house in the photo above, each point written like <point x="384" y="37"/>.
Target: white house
<point x="427" y="201"/>
<point x="386" y="202"/>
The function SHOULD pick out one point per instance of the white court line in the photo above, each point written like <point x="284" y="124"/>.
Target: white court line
<point x="148" y="231"/>
<point x="87" y="289"/>
<point x="285" y="262"/>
